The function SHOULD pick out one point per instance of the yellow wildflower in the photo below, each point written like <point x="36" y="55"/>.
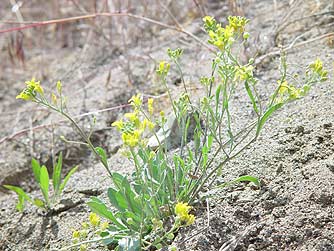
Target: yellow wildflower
<point x="119" y="124"/>
<point x="163" y="68"/>
<point x="284" y="87"/>
<point x="147" y="124"/>
<point x="34" y="86"/>
<point x="131" y="139"/>
<point x="209" y="21"/>
<point x="25" y="96"/>
<point x="133" y="117"/>
<point x="190" y="219"/>
<point x="150" y="105"/>
<point x="76" y="234"/>
<point x="316" y="66"/>
<point x="54" y="98"/>
<point x="238" y="23"/>
<point x="94" y="219"/>
<point x="243" y="72"/>
<point x="182" y="213"/>
<point x="136" y="100"/>
<point x="59" y="86"/>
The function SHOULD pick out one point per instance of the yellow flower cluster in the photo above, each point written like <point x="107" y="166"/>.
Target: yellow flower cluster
<point x="163" y="68"/>
<point x="32" y="88"/>
<point x="223" y="37"/>
<point x="243" y="72"/>
<point x="288" y="92"/>
<point x="182" y="213"/>
<point x="317" y="68"/>
<point x="88" y="228"/>
<point x="133" y="128"/>
<point x="94" y="219"/>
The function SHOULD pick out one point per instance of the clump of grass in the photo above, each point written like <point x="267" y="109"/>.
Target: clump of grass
<point x="42" y="177"/>
<point x="151" y="205"/>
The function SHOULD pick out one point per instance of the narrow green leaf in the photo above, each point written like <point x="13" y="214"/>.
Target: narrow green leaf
<point x="248" y="178"/>
<point x="266" y="116"/>
<point x="36" y="169"/>
<point x="44" y="183"/>
<point x="251" y="96"/>
<point x="67" y="177"/>
<point x="56" y="175"/>
<point x="21" y="194"/>
<point x="210" y="141"/>
<point x="102" y="154"/>
<point x="97" y="206"/>
<point x="218" y="91"/>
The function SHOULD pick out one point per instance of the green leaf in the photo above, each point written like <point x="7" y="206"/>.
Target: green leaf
<point x="39" y="203"/>
<point x="97" y="206"/>
<point x="22" y="196"/>
<point x="36" y="169"/>
<point x="102" y="154"/>
<point x="248" y="178"/>
<point x="218" y="91"/>
<point x="117" y="200"/>
<point x="56" y="176"/>
<point x="129" y="244"/>
<point x="67" y="177"/>
<point x="266" y="116"/>
<point x="44" y="184"/>
<point x="251" y="96"/>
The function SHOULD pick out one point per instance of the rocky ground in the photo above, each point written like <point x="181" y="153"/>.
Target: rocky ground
<point x="293" y="209"/>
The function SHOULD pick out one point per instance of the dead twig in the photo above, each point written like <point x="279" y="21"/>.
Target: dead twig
<point x="292" y="46"/>
<point x="107" y="14"/>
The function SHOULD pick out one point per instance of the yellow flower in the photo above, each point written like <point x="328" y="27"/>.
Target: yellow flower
<point x="25" y="96"/>
<point x="284" y="87"/>
<point x="182" y="209"/>
<point x="209" y="21"/>
<point x="133" y="117"/>
<point x="150" y="105"/>
<point x="94" y="219"/>
<point x="119" y="124"/>
<point x="131" y="139"/>
<point x="238" y="23"/>
<point x="316" y="65"/>
<point x="54" y="98"/>
<point x="243" y="72"/>
<point x="29" y="92"/>
<point x="136" y="100"/>
<point x="182" y="213"/>
<point x="147" y="124"/>
<point x="76" y="234"/>
<point x="163" y="68"/>
<point x="35" y="86"/>
<point x="190" y="219"/>
<point x="59" y="86"/>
